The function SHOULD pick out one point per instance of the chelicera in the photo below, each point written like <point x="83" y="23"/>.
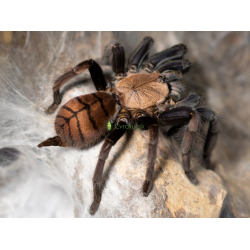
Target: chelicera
<point x="148" y="92"/>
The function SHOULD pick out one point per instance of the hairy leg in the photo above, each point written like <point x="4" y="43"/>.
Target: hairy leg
<point x="186" y="145"/>
<point x="212" y="134"/>
<point x="152" y="151"/>
<point x="96" y="75"/>
<point x="192" y="100"/>
<point x="179" y="116"/>
<point x="140" y="53"/>
<point x="118" y="60"/>
<point x="176" y="65"/>
<point x="175" y="52"/>
<point x="97" y="178"/>
<point x="176" y="91"/>
<point x="110" y="141"/>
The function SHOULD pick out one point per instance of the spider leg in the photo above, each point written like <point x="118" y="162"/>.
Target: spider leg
<point x="140" y="53"/>
<point x="176" y="65"/>
<point x="176" y="91"/>
<point x="144" y="119"/>
<point x="152" y="151"/>
<point x="96" y="75"/>
<point x="109" y="142"/>
<point x="178" y="116"/>
<point x="118" y="60"/>
<point x="54" y="141"/>
<point x="192" y="100"/>
<point x="152" y="126"/>
<point x="175" y="52"/>
<point x="212" y="134"/>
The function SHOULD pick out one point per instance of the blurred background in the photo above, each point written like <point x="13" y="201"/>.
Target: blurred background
<point x="35" y="184"/>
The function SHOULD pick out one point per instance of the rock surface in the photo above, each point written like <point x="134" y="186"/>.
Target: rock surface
<point x="172" y="195"/>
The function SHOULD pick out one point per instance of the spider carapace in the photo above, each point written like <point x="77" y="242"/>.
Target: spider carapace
<point x="147" y="92"/>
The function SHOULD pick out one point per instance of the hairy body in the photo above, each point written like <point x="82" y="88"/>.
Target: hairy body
<point x="149" y="93"/>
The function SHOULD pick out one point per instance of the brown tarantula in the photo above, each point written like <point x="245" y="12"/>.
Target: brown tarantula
<point x="147" y="93"/>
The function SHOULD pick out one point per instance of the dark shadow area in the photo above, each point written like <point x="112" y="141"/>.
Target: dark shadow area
<point x="8" y="155"/>
<point x="226" y="210"/>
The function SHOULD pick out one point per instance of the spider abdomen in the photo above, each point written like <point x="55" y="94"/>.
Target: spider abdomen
<point x="82" y="121"/>
<point x="140" y="91"/>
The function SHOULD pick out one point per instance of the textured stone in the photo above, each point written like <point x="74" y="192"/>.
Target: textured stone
<point x="172" y="195"/>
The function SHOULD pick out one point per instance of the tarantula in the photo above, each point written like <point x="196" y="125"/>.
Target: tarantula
<point x="149" y="92"/>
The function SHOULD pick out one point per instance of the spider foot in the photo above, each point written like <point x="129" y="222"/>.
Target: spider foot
<point x="52" y="108"/>
<point x="94" y="207"/>
<point x="191" y="177"/>
<point x="147" y="187"/>
<point x="97" y="199"/>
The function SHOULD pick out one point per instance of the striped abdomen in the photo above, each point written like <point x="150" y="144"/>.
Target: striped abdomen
<point x="82" y="121"/>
